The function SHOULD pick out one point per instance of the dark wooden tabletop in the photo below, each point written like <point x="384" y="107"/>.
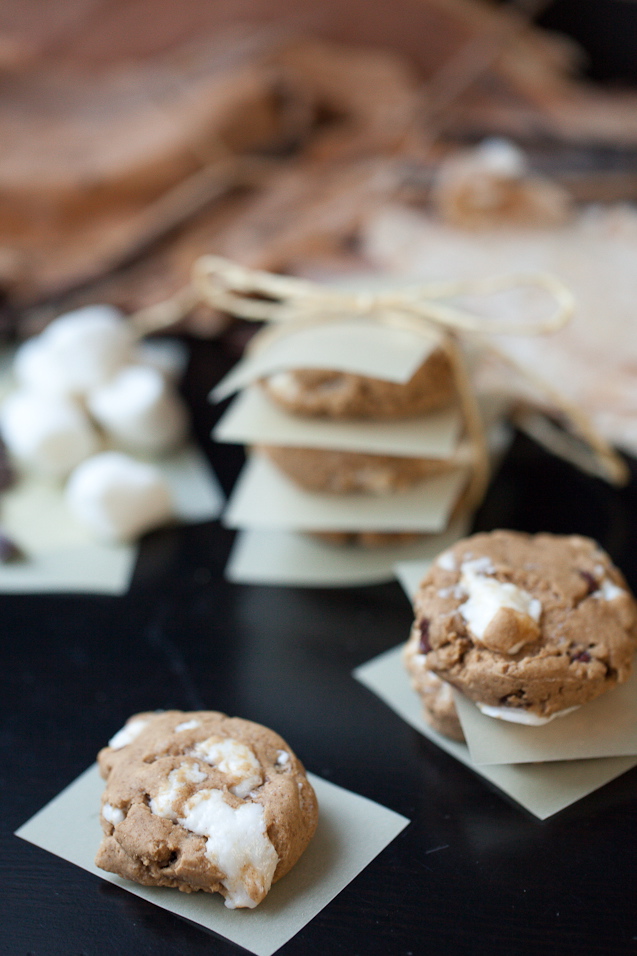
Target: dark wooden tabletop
<point x="500" y="882"/>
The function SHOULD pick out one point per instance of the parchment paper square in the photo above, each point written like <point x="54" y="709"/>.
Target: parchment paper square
<point x="541" y="788"/>
<point x="289" y="558"/>
<point x="265" y="498"/>
<point x="351" y="832"/>
<point x="254" y="419"/>
<point x="604" y="727"/>
<point x="360" y="346"/>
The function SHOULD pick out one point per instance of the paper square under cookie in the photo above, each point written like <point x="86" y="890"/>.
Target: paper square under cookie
<point x="63" y="556"/>
<point x="292" y="559"/>
<point x="604" y="727"/>
<point x="360" y="346"/>
<point x="253" y="419"/>
<point x="541" y="788"/>
<point x="351" y="832"/>
<point x="264" y="498"/>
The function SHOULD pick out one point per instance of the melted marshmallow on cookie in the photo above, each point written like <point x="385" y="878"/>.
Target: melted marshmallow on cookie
<point x="285" y="385"/>
<point x="234" y="759"/>
<point x="447" y="561"/>
<point x="163" y="803"/>
<point x="237" y="842"/>
<point x="128" y="733"/>
<point x="608" y="591"/>
<point x="487" y="597"/>
<point x="187" y="725"/>
<point x="236" y="839"/>
<point x="112" y="814"/>
<point x="517" y="715"/>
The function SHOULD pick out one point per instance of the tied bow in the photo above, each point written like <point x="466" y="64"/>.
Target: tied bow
<point x="232" y="288"/>
<point x="290" y="303"/>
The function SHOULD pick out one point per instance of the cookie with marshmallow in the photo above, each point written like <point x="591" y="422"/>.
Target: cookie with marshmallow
<point x="201" y="801"/>
<point x="527" y="626"/>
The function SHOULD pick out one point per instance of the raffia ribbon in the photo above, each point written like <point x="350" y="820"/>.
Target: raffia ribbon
<point x="288" y="303"/>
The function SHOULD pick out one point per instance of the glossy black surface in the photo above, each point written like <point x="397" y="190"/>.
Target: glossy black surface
<point x="473" y="873"/>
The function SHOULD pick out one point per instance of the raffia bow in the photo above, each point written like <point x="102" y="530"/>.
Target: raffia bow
<point x="289" y="303"/>
<point x="232" y="287"/>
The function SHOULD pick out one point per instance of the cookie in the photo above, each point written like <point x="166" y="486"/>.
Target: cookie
<point x="202" y="801"/>
<point x="344" y="472"/>
<point x="342" y="395"/>
<point x="526" y="626"/>
<point x="438" y="707"/>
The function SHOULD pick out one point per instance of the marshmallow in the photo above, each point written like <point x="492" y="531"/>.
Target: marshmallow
<point x="500" y="157"/>
<point x="140" y="410"/>
<point x="50" y="434"/>
<point x="518" y="715"/>
<point x="118" y="498"/>
<point x="76" y="351"/>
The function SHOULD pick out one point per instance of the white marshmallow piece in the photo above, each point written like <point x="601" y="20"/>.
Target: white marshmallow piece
<point x="140" y="409"/>
<point x="608" y="591"/>
<point x="234" y="759"/>
<point x="236" y="842"/>
<point x="112" y="814"/>
<point x="236" y="839"/>
<point x="128" y="733"/>
<point x="517" y="715"/>
<point x="500" y="157"/>
<point x="486" y="596"/>
<point x="117" y="497"/>
<point x="48" y="433"/>
<point x="76" y="351"/>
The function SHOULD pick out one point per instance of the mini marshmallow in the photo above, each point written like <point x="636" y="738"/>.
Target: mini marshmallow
<point x="117" y="497"/>
<point x="50" y="434"/>
<point x="500" y="157"/>
<point x="140" y="410"/>
<point x="76" y="351"/>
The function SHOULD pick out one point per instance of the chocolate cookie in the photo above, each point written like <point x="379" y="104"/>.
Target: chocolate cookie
<point x="201" y="801"/>
<point x="332" y="394"/>
<point x="438" y="707"/>
<point x="343" y="472"/>
<point x="526" y="626"/>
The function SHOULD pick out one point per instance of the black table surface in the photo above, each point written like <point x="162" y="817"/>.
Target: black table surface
<point x="472" y="873"/>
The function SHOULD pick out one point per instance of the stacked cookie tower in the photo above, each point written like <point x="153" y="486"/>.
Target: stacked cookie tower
<point x="342" y="396"/>
<point x="343" y="452"/>
<point x="528" y="627"/>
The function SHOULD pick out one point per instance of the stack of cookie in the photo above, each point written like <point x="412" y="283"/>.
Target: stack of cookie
<point x="344" y="453"/>
<point x="528" y="627"/>
<point x="341" y="396"/>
